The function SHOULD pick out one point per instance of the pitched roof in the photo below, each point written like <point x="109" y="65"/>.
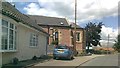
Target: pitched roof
<point x="10" y="11"/>
<point x="77" y="26"/>
<point x="51" y="21"/>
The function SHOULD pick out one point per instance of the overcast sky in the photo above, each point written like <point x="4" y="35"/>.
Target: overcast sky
<point x="105" y="11"/>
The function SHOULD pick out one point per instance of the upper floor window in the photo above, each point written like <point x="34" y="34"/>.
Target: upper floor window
<point x="77" y="36"/>
<point x="8" y="36"/>
<point x="34" y="40"/>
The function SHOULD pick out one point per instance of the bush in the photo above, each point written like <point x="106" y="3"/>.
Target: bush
<point x="44" y="56"/>
<point x="34" y="58"/>
<point x="15" y="61"/>
<point x="102" y="52"/>
<point x="97" y="52"/>
<point x="82" y="54"/>
<point x="55" y="42"/>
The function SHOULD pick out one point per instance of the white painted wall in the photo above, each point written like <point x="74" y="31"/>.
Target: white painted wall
<point x="24" y="51"/>
<point x="0" y="59"/>
<point x="0" y="43"/>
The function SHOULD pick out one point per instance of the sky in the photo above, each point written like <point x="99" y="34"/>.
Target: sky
<point x="105" y="11"/>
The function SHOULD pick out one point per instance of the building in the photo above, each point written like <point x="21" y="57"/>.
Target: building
<point x="58" y="28"/>
<point x="80" y="37"/>
<point x="20" y="36"/>
<point x="60" y="31"/>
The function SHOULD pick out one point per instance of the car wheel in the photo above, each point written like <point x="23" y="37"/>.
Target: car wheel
<point x="72" y="57"/>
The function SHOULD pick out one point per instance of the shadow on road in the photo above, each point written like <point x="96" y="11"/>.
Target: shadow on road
<point x="65" y="59"/>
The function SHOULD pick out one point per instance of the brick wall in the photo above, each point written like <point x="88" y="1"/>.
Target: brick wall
<point x="80" y="45"/>
<point x="65" y="37"/>
<point x="50" y="32"/>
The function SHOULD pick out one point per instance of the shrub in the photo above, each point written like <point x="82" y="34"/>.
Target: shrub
<point x="15" y="61"/>
<point x="44" y="56"/>
<point x="102" y="52"/>
<point x="55" y="42"/>
<point x="82" y="54"/>
<point x="34" y="58"/>
<point x="97" y="52"/>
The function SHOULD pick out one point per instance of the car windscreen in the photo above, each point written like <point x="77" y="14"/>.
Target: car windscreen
<point x="61" y="47"/>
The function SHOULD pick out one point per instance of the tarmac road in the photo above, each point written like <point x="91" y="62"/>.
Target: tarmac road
<point x="108" y="61"/>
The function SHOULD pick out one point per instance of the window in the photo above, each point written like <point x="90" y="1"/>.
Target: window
<point x="34" y="40"/>
<point x="56" y="35"/>
<point x="8" y="36"/>
<point x="77" y="36"/>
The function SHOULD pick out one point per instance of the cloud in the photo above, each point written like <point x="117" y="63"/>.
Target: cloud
<point x="86" y="9"/>
<point x="113" y="33"/>
<point x="20" y="0"/>
<point x="36" y="9"/>
<point x="109" y="30"/>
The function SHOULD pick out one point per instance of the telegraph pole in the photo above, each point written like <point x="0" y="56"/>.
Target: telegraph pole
<point x="75" y="26"/>
<point x="108" y="44"/>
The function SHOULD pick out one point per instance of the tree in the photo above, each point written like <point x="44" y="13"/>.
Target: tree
<point x="93" y="37"/>
<point x="117" y="44"/>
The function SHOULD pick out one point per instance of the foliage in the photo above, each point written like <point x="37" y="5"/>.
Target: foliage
<point x="55" y="42"/>
<point x="117" y="44"/>
<point x="93" y="31"/>
<point x="34" y="58"/>
<point x="15" y="61"/>
<point x="102" y="52"/>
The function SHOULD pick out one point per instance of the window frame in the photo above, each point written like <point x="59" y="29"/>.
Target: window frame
<point x="33" y="40"/>
<point x="14" y="36"/>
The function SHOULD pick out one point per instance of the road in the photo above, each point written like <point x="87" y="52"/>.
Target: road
<point x="108" y="60"/>
<point x="64" y="62"/>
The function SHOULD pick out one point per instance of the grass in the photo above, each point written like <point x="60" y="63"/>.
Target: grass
<point x="27" y="63"/>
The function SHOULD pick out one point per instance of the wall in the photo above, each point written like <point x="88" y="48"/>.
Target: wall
<point x="80" y="45"/>
<point x="24" y="51"/>
<point x="0" y="59"/>
<point x="24" y="42"/>
<point x="0" y="42"/>
<point x="64" y="35"/>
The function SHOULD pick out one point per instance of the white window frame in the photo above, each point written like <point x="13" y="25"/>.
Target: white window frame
<point x="14" y="37"/>
<point x="33" y="40"/>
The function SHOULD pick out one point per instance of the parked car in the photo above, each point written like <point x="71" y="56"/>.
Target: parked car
<point x="62" y="51"/>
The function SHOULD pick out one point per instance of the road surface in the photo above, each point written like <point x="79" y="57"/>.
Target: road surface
<point x="108" y="61"/>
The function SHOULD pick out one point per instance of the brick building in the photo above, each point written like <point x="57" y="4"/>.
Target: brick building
<point x="80" y="37"/>
<point x="60" y="31"/>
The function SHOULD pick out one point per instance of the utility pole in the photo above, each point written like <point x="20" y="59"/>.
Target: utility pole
<point x="75" y="26"/>
<point x="108" y="44"/>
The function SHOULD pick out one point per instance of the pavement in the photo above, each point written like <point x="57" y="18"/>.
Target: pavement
<point x="77" y="61"/>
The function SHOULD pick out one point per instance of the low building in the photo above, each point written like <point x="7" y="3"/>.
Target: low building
<point x="20" y="36"/>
